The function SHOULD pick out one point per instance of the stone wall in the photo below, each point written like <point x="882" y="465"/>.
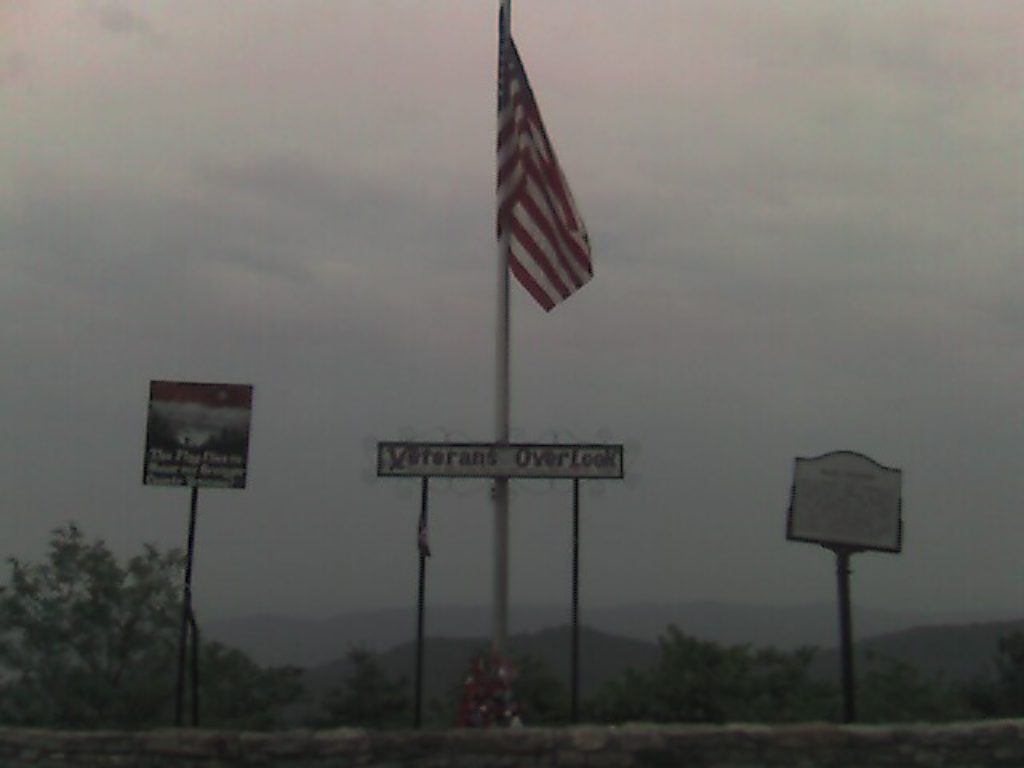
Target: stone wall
<point x="967" y="745"/>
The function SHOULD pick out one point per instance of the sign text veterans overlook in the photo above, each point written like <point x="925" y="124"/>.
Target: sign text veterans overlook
<point x="529" y="460"/>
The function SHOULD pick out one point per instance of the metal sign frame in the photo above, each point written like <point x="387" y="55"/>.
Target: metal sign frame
<point x="846" y="502"/>
<point x="197" y="436"/>
<point x="500" y="461"/>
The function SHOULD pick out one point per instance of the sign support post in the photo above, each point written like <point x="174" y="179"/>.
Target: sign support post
<point x="846" y="631"/>
<point x="196" y="646"/>
<point x="188" y="626"/>
<point x="420" y="595"/>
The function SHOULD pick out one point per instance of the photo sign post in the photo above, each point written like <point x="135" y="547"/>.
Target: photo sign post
<point x="847" y="503"/>
<point x="197" y="435"/>
<point x="550" y="461"/>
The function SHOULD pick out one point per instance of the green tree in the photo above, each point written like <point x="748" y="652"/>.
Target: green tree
<point x="86" y="642"/>
<point x="1010" y="674"/>
<point x="891" y="691"/>
<point x="236" y="692"/>
<point x="369" y="697"/>
<point x="1003" y="694"/>
<point x="543" y="699"/>
<point x="700" y="681"/>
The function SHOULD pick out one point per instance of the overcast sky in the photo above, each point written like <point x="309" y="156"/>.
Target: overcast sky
<point x="807" y="229"/>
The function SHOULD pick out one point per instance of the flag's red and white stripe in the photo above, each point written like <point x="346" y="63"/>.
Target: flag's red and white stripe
<point x="548" y="251"/>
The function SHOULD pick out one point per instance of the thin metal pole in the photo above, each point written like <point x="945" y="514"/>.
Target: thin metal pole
<point x="186" y="609"/>
<point x="846" y="633"/>
<point x="418" y="714"/>
<point x="502" y="399"/>
<point x="501" y="534"/>
<point x="575" y="654"/>
<point x="196" y="648"/>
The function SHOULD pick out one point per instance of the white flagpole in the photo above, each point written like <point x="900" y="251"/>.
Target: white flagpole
<point x="502" y="405"/>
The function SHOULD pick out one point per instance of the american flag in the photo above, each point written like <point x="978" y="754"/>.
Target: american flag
<point x="548" y="247"/>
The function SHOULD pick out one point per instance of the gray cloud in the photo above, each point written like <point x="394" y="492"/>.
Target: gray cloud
<point x="122" y="20"/>
<point x="13" y="67"/>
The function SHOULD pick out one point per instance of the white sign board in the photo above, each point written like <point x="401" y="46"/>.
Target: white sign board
<point x="845" y="498"/>
<point x="536" y="460"/>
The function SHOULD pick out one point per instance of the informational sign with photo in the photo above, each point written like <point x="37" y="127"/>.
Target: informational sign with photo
<point x="197" y="434"/>
<point x="844" y="498"/>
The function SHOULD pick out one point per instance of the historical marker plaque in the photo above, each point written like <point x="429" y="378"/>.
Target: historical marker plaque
<point x="844" y="498"/>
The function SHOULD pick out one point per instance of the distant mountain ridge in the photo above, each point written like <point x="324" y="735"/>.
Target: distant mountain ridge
<point x="957" y="652"/>
<point x="312" y="642"/>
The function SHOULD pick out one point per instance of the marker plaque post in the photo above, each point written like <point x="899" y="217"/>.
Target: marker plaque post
<point x="503" y="461"/>
<point x="197" y="435"/>
<point x="847" y="503"/>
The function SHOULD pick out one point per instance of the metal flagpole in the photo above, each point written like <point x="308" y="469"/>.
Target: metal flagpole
<point x="502" y="400"/>
<point x="574" y="709"/>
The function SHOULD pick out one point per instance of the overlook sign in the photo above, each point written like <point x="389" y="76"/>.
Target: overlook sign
<point x="525" y="460"/>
